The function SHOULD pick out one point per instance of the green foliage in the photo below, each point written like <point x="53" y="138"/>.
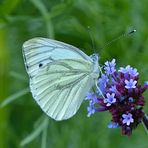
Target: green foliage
<point x="13" y="97"/>
<point x="21" y="120"/>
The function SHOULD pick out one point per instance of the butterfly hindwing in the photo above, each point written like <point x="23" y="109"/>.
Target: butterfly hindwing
<point x="60" y="87"/>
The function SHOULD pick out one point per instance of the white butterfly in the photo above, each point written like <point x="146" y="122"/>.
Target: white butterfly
<point x="60" y="75"/>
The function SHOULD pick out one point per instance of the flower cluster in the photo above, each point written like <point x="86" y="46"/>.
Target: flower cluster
<point x="121" y="95"/>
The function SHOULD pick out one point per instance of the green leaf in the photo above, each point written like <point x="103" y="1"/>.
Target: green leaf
<point x="60" y="9"/>
<point x="8" y="6"/>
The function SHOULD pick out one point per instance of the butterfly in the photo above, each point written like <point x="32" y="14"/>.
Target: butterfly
<point x="60" y="75"/>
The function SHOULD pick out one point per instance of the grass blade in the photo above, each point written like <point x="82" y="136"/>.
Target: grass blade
<point x="36" y="132"/>
<point x="13" y="97"/>
<point x="44" y="136"/>
<point x="46" y="15"/>
<point x="145" y="123"/>
<point x="18" y="76"/>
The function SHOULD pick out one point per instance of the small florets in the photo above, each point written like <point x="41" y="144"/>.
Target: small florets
<point x="119" y="92"/>
<point x="127" y="119"/>
<point x="130" y="84"/>
<point x="110" y="99"/>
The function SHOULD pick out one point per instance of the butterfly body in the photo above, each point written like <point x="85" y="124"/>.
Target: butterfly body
<point x="60" y="75"/>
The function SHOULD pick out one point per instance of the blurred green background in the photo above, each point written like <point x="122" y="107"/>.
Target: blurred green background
<point x="22" y="123"/>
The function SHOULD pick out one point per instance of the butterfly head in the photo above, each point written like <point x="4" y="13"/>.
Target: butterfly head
<point x="95" y="57"/>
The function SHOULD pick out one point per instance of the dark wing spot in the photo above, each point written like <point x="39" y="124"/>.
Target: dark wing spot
<point x="27" y="67"/>
<point x="40" y="65"/>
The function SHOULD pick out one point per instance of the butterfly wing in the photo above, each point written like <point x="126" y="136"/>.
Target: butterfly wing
<point x="60" y="76"/>
<point x="41" y="51"/>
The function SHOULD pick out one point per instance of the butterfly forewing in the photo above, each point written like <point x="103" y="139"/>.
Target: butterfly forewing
<point x="41" y="51"/>
<point x="60" y="76"/>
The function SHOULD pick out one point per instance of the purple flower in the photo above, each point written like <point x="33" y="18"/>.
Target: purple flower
<point x="129" y="70"/>
<point x="146" y="83"/>
<point x="91" y="110"/>
<point x="90" y="96"/>
<point x="92" y="100"/>
<point x="113" y="89"/>
<point x="125" y="70"/>
<point x="120" y="93"/>
<point x="130" y="99"/>
<point x="102" y="82"/>
<point x="130" y="84"/>
<point x="110" y="99"/>
<point x="113" y="125"/>
<point x="110" y="67"/>
<point x="127" y="118"/>
<point x="133" y="72"/>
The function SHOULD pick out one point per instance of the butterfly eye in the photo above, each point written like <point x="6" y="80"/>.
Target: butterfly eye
<point x="94" y="57"/>
<point x="40" y="65"/>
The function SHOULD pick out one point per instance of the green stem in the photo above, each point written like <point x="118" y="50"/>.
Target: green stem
<point x="46" y="15"/>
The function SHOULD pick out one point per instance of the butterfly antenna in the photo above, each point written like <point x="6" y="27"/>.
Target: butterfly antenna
<point x="118" y="38"/>
<point x="92" y="38"/>
<point x="99" y="90"/>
